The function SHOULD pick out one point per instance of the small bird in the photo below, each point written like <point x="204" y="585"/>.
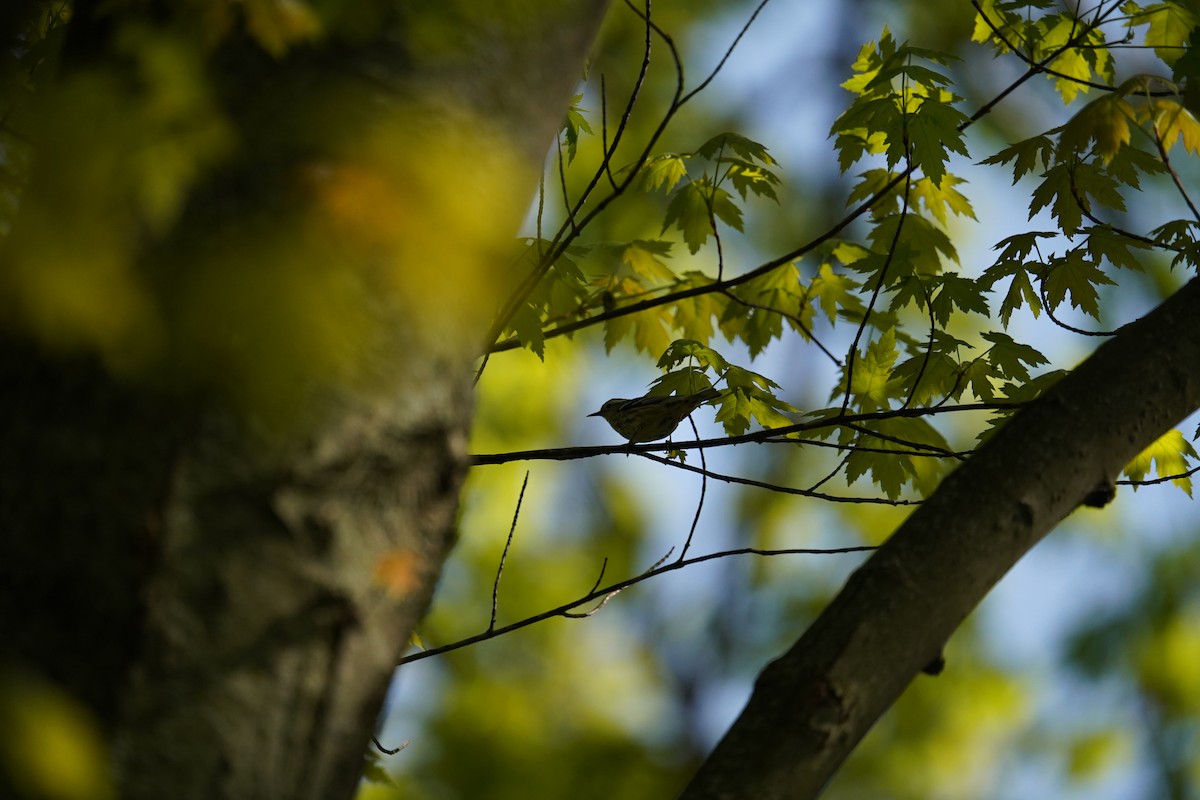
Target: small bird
<point x="645" y="419"/>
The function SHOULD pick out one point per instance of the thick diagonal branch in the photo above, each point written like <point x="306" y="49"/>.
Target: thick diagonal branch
<point x="811" y="706"/>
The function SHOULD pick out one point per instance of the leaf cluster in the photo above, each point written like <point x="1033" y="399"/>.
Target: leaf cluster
<point x="899" y="286"/>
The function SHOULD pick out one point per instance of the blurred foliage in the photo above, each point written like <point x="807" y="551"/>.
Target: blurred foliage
<point x="275" y="288"/>
<point x="118" y="239"/>
<point x="50" y="746"/>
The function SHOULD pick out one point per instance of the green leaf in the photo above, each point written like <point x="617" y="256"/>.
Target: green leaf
<point x="935" y="373"/>
<point x="919" y="251"/>
<point x="1168" y="455"/>
<point x="693" y="207"/>
<point x="1067" y="185"/>
<point x="938" y="197"/>
<point x="649" y="329"/>
<point x="872" y="382"/>
<point x="1175" y="123"/>
<point x="1018" y="247"/>
<point x="910" y="448"/>
<point x="1009" y="357"/>
<point x="870" y="59"/>
<point x="1105" y="243"/>
<point x="686" y="381"/>
<point x="681" y="350"/>
<point x="870" y="125"/>
<point x="663" y="171"/>
<point x="834" y="292"/>
<point x="1020" y="292"/>
<point x="526" y="325"/>
<point x="1077" y="64"/>
<point x="572" y="125"/>
<point x="871" y="184"/>
<point x="748" y="178"/>
<point x="374" y="772"/>
<point x="693" y="316"/>
<point x="642" y="256"/>
<point x="1027" y="155"/>
<point x="769" y="299"/>
<point x="1170" y="25"/>
<point x="688" y="211"/>
<point x="978" y="377"/>
<point x="1104" y="121"/>
<point x="750" y="398"/>
<point x="955" y="291"/>
<point x="723" y="143"/>
<point x="934" y="130"/>
<point x="725" y="209"/>
<point x="1128" y="162"/>
<point x="1078" y="277"/>
<point x="1182" y="236"/>
<point x="1025" y="392"/>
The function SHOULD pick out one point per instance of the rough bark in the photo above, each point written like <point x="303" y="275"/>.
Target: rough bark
<point x="812" y="705"/>
<point x="207" y="587"/>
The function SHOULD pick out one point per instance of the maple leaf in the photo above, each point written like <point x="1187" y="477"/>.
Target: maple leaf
<point x="663" y="171"/>
<point x="833" y="291"/>
<point x="1168" y="455"/>
<point x="1010" y="357"/>
<point x="1077" y="276"/>
<point x="938" y="197"/>
<point x="1169" y="25"/>
<point x="935" y="130"/>
<point x="572" y="125"/>
<point x="872" y="382"/>
<point x="1026" y="155"/>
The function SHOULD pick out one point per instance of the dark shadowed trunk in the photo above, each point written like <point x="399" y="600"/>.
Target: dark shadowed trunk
<point x="204" y="576"/>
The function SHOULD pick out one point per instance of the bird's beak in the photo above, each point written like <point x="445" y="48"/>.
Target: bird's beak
<point x="594" y="414"/>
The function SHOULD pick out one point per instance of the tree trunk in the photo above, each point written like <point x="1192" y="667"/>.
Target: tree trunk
<point x="230" y="593"/>
<point x="811" y="706"/>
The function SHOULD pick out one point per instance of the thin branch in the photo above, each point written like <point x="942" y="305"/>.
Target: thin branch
<point x="604" y="131"/>
<point x="712" y="221"/>
<point x="1163" y="479"/>
<point x="504" y="553"/>
<point x="1162" y="152"/>
<point x="393" y="751"/>
<point x="562" y="181"/>
<point x="852" y="353"/>
<point x="858" y="448"/>
<point x="728" y="52"/>
<point x="795" y="320"/>
<point x="561" y="241"/>
<point x="829" y="476"/>
<point x="773" y="487"/>
<point x="928" y="348"/>
<point x="1041" y="66"/>
<point x="1065" y="326"/>
<point x="770" y="434"/>
<point x="567" y="234"/>
<point x="687" y="544"/>
<point x="862" y="208"/>
<point x="604" y="601"/>
<point x="567" y="609"/>
<point x="916" y="446"/>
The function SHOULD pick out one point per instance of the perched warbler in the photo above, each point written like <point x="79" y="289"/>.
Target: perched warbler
<point x="644" y="419"/>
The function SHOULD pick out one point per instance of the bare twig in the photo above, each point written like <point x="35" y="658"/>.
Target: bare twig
<point x="833" y="498"/>
<point x="687" y="544"/>
<point x="662" y="567"/>
<point x="504" y="553"/>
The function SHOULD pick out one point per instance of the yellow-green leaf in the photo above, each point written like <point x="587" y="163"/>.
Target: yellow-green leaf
<point x="1168" y="455"/>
